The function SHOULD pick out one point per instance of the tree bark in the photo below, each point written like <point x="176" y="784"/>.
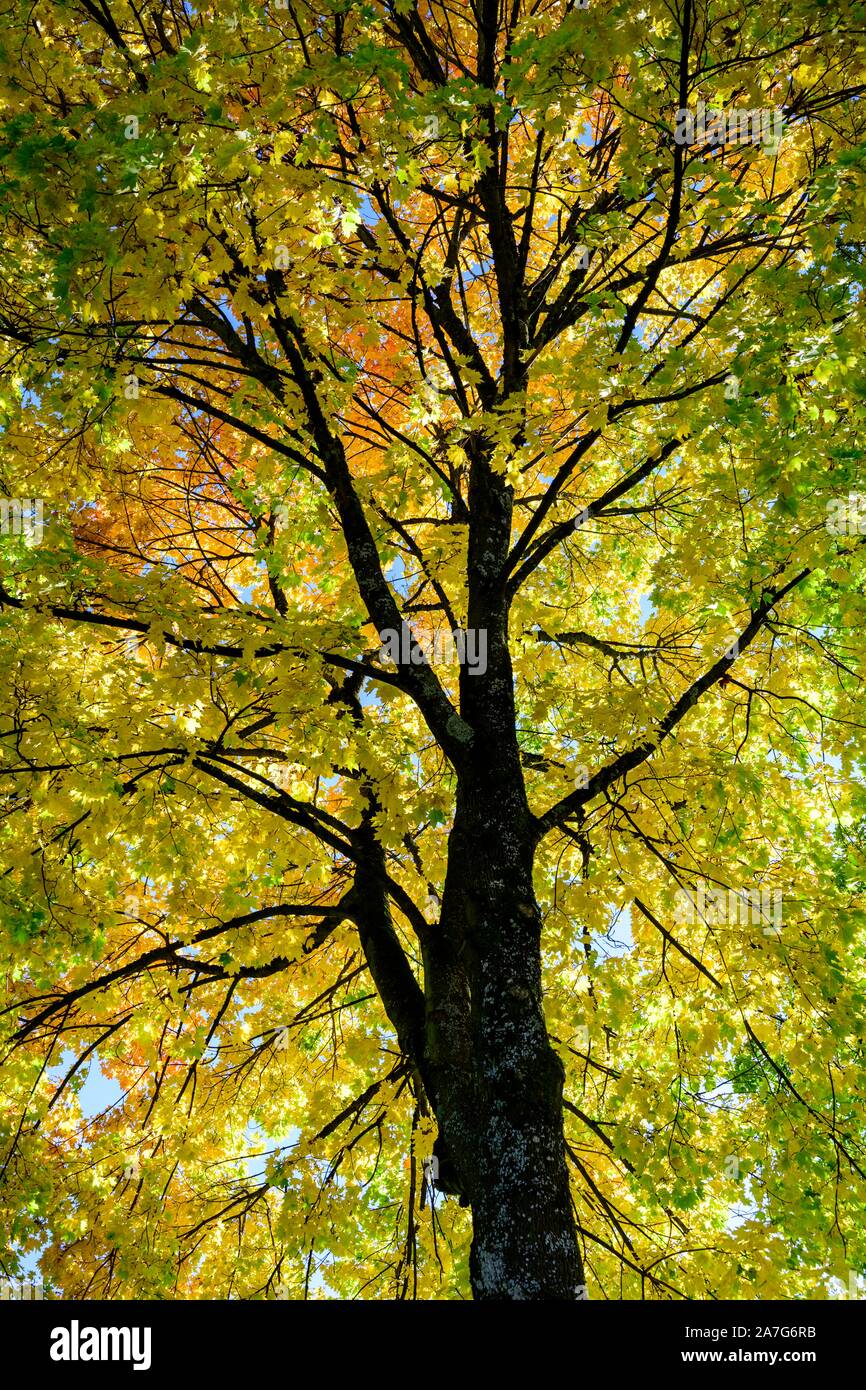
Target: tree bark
<point x="510" y="1144"/>
<point x="477" y="1035"/>
<point x="499" y="1099"/>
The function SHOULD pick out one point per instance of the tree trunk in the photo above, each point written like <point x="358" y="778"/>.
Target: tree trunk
<point x="499" y="1086"/>
<point x="497" y="1081"/>
<point x="504" y="1124"/>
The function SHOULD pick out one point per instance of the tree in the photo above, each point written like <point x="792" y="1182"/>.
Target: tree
<point x="329" y="332"/>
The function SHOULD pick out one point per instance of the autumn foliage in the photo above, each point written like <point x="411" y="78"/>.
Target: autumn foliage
<point x="317" y="320"/>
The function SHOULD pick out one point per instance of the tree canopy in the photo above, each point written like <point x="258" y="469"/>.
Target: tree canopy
<point x="322" y="320"/>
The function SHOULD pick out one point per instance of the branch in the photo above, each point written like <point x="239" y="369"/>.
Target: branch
<point x="672" y="941"/>
<point x="554" y="537"/>
<point x="633" y="757"/>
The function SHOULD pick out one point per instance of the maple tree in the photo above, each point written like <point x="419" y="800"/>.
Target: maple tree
<point x="329" y="330"/>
